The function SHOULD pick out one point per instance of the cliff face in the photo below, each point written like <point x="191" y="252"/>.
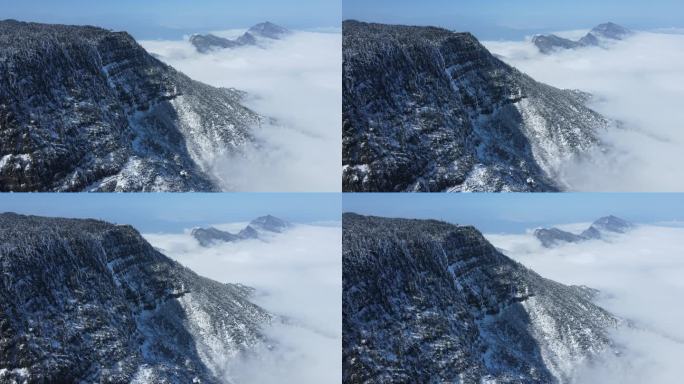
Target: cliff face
<point x="83" y="108"/>
<point x="427" y="301"/>
<point x="426" y="109"/>
<point x="88" y="301"/>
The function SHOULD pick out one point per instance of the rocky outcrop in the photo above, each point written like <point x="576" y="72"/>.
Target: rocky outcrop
<point x="87" y="109"/>
<point x="425" y="300"/>
<point x="427" y="109"/>
<point x="89" y="301"/>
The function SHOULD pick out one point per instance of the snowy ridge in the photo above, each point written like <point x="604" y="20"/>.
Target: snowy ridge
<point x="86" y="109"/>
<point x="88" y="301"/>
<point x="426" y="109"/>
<point x="426" y="299"/>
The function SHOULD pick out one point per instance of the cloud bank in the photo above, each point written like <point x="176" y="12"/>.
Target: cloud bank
<point x="639" y="275"/>
<point x="640" y="82"/>
<point x="297" y="274"/>
<point x="295" y="81"/>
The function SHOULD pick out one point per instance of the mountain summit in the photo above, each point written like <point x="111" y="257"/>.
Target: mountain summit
<point x="596" y="37"/>
<point x="427" y="299"/>
<point x="87" y="109"/>
<point x="88" y="301"/>
<point x="427" y="109"/>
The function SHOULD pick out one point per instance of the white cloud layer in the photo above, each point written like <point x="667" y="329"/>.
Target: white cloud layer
<point x="640" y="82"/>
<point x="639" y="275"/>
<point x="296" y="81"/>
<point x="297" y="274"/>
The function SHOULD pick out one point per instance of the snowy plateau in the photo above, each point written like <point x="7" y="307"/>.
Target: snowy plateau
<point x="431" y="302"/>
<point x="86" y="109"/>
<point x="85" y="301"/>
<point x="427" y="109"/>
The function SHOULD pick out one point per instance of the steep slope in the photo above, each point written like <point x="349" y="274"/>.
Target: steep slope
<point x="83" y="108"/>
<point x="597" y="37"/>
<point x="426" y="109"/>
<point x="431" y="302"/>
<point x="89" y="301"/>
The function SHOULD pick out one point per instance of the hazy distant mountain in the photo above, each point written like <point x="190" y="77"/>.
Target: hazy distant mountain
<point x="551" y="237"/>
<point x="212" y="236"/>
<point x="87" y="109"/>
<point x="85" y="301"/>
<point x="428" y="301"/>
<point x="266" y="30"/>
<point x="427" y="109"/>
<point x="270" y="223"/>
<point x="607" y="31"/>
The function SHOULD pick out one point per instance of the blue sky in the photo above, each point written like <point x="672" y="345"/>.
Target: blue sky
<point x="173" y="212"/>
<point x="516" y="212"/>
<point x="507" y="19"/>
<point x="151" y="19"/>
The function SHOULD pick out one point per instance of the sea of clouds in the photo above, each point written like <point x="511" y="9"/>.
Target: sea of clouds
<point x="639" y="275"/>
<point x="298" y="275"/>
<point x="639" y="82"/>
<point x="296" y="81"/>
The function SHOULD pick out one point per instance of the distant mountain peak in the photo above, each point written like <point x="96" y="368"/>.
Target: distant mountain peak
<point x="610" y="31"/>
<point x="551" y="237"/>
<point x="270" y="223"/>
<point x="211" y="236"/>
<point x="266" y="30"/>
<point x="269" y="30"/>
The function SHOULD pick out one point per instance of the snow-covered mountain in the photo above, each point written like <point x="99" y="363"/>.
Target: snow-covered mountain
<point x="551" y="237"/>
<point x="85" y="301"/>
<point x="86" y="109"/>
<point x="211" y="236"/>
<point x="428" y="301"/>
<point x="427" y="109"/>
<point x="266" y="30"/>
<point x="598" y="36"/>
